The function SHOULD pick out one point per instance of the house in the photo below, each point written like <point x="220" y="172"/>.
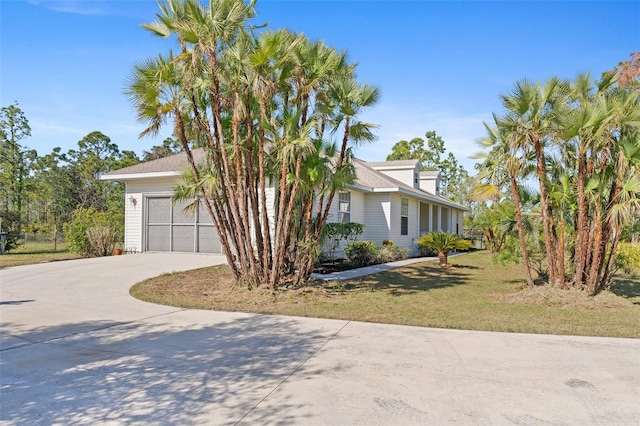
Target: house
<point x="395" y="200"/>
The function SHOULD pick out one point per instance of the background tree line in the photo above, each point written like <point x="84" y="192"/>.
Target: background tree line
<point x="40" y="193"/>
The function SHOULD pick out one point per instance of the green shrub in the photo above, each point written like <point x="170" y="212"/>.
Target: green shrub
<point x="628" y="257"/>
<point x="362" y="253"/>
<point x="390" y="252"/>
<point x="77" y="236"/>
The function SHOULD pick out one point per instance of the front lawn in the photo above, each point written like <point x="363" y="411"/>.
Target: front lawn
<point x="36" y="252"/>
<point x="474" y="295"/>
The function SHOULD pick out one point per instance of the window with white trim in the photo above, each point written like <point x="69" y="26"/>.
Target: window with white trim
<point x="404" y="216"/>
<point x="344" y="206"/>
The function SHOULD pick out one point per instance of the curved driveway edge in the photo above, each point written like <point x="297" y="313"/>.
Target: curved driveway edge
<point x="77" y="349"/>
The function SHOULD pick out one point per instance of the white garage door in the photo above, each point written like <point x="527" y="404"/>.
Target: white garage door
<point x="170" y="228"/>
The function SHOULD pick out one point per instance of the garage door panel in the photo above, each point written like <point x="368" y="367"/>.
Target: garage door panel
<point x="159" y="210"/>
<point x="208" y="240"/>
<point x="203" y="215"/>
<point x="183" y="238"/>
<point x="180" y="215"/>
<point x="158" y="238"/>
<point x="170" y="228"/>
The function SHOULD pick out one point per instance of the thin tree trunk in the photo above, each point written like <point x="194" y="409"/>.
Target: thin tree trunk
<point x="582" y="226"/>
<point x="546" y="210"/>
<point x="521" y="236"/>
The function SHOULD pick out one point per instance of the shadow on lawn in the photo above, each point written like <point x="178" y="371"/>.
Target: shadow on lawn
<point x="409" y="279"/>
<point x="628" y="287"/>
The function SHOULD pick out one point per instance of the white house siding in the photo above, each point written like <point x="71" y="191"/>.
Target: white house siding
<point x="377" y="217"/>
<point x="407" y="177"/>
<point x="358" y="207"/>
<point x="403" y="241"/>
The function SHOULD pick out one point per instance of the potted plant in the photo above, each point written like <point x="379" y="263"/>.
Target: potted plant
<point x="117" y="250"/>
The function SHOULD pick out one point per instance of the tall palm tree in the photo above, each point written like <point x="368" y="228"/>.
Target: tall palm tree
<point x="257" y="103"/>
<point x="532" y="116"/>
<point x="507" y="153"/>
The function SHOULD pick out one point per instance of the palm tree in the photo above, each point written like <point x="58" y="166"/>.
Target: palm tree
<point x="443" y="243"/>
<point x="258" y="104"/>
<point x="532" y="112"/>
<point x="508" y="154"/>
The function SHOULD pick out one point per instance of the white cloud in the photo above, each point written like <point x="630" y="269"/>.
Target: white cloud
<point x="75" y="7"/>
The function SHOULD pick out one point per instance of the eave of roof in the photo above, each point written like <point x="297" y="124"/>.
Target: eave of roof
<point x="135" y="176"/>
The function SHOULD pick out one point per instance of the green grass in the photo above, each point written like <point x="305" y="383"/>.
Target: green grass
<point x="474" y="295"/>
<point x="36" y="252"/>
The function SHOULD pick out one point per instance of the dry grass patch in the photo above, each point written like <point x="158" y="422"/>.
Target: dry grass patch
<point x="474" y="294"/>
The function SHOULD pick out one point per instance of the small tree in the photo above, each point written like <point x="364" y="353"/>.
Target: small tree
<point x="443" y="243"/>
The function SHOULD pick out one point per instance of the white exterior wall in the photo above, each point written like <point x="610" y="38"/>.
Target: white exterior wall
<point x="134" y="210"/>
<point x="429" y="184"/>
<point x="357" y="207"/>
<point x="357" y="215"/>
<point x="404" y="241"/>
<point x="377" y="217"/>
<point x="404" y="176"/>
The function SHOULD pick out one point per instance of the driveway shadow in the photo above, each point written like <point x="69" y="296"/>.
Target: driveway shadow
<point x="156" y="371"/>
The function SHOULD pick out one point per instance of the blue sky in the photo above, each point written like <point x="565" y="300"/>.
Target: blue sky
<point x="440" y="65"/>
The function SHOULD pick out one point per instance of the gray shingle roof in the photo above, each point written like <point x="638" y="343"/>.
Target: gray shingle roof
<point x="173" y="163"/>
<point x="370" y="178"/>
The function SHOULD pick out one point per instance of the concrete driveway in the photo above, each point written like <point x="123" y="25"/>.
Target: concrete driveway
<point x="77" y="349"/>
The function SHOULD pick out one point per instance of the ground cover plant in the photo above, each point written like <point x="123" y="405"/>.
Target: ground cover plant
<point x="474" y="294"/>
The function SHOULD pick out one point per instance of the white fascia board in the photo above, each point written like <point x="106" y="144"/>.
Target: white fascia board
<point x="392" y="189"/>
<point x="405" y="167"/>
<point x="432" y="199"/>
<point x="134" y="176"/>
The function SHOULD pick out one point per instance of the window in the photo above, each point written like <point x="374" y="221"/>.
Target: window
<point x="404" y="216"/>
<point x="344" y="206"/>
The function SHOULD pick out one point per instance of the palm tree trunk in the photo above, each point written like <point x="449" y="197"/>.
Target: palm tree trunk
<point x="546" y="211"/>
<point x="443" y="258"/>
<point x="521" y="236"/>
